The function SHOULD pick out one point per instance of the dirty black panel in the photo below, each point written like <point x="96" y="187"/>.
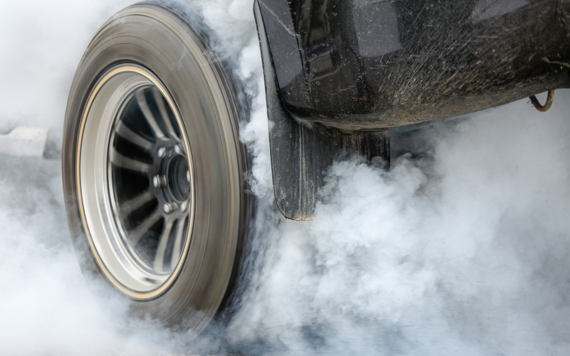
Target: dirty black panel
<point x="365" y="65"/>
<point x="301" y="155"/>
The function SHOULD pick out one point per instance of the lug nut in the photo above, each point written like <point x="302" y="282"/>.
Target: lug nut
<point x="161" y="152"/>
<point x="177" y="149"/>
<point x="168" y="208"/>
<point x="183" y="206"/>
<point x="158" y="181"/>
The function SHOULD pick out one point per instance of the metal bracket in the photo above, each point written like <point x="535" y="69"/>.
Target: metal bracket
<point x="546" y="106"/>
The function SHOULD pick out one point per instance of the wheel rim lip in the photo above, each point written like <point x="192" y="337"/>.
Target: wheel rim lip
<point x="104" y="79"/>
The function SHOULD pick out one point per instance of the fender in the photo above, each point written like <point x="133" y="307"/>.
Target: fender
<point x="340" y="74"/>
<point x="361" y="65"/>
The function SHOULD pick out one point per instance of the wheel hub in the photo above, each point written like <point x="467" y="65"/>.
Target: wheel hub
<point x="170" y="177"/>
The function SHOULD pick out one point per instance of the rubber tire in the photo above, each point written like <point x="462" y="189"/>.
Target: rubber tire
<point x="155" y="35"/>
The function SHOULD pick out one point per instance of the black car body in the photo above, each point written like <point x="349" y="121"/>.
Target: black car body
<point x="340" y="74"/>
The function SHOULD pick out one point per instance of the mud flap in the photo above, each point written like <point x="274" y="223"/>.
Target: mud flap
<point x="301" y="155"/>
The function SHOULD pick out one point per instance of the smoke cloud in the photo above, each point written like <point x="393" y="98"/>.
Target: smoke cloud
<point x="461" y="251"/>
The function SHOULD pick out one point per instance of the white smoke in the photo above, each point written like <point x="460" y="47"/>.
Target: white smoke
<point x="42" y="43"/>
<point x="462" y="253"/>
<point x="45" y="305"/>
<point x="465" y="253"/>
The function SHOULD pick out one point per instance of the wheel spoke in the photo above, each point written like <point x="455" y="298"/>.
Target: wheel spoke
<point x="143" y="227"/>
<point x="141" y="99"/>
<point x="165" y="117"/>
<point x="128" y="163"/>
<point x="134" y="204"/>
<point x="125" y="132"/>
<point x="178" y="241"/>
<point x="163" y="242"/>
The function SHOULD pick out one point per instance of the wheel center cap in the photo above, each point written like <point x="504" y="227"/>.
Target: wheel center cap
<point x="177" y="178"/>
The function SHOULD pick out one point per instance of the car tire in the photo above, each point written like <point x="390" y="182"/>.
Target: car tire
<point x="153" y="169"/>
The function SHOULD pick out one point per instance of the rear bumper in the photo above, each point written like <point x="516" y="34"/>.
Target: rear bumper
<point x="362" y="66"/>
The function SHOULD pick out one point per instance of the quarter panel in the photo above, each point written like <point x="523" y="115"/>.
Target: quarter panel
<point x="369" y="64"/>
